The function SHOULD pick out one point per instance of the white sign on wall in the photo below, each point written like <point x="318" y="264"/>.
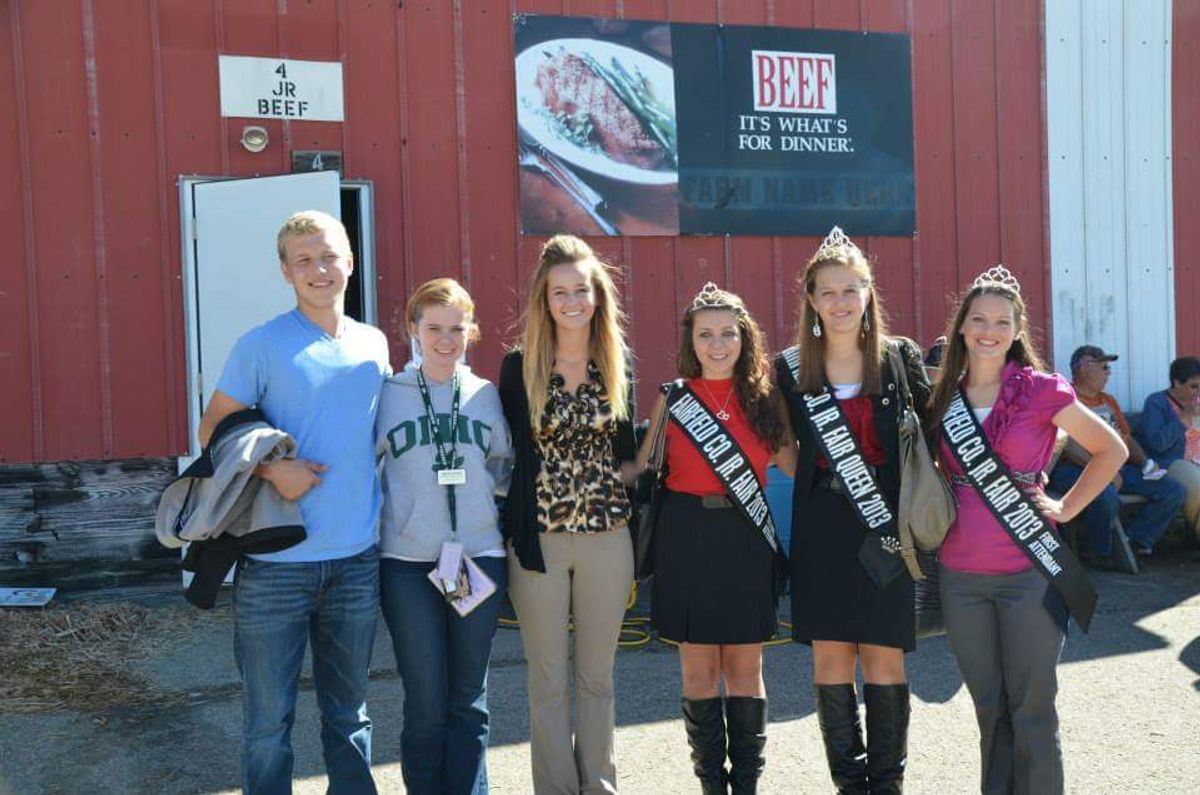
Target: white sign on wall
<point x="279" y="88"/>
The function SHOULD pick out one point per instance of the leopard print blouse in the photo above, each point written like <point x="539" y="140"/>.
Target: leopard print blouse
<point x="579" y="488"/>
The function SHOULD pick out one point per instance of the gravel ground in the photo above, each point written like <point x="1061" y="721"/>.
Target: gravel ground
<point x="1129" y="704"/>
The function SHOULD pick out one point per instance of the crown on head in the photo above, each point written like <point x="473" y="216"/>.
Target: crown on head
<point x="835" y="246"/>
<point x="998" y="274"/>
<point x="712" y="297"/>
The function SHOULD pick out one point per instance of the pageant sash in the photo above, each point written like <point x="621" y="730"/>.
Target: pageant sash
<point x="846" y="462"/>
<point x="1016" y="512"/>
<point x="722" y="452"/>
<point x="879" y="552"/>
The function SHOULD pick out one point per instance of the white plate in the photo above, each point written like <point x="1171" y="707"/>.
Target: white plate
<point x="529" y="99"/>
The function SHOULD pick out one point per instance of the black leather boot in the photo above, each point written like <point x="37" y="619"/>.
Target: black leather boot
<point x="887" y="737"/>
<point x="704" y="720"/>
<point x="837" y="713"/>
<point x="747" y="719"/>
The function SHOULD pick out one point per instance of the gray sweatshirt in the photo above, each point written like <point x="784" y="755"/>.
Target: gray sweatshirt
<point x="416" y="517"/>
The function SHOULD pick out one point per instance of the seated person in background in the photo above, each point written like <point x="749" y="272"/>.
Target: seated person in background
<point x="1090" y="368"/>
<point x="1171" y="432"/>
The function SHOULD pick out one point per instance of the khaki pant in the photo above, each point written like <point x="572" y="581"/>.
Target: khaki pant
<point x="1188" y="474"/>
<point x="588" y="577"/>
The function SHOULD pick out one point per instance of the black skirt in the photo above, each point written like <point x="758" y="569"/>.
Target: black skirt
<point x="713" y="575"/>
<point x="833" y="598"/>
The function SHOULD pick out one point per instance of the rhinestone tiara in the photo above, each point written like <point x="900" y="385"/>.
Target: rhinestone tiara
<point x="835" y="246"/>
<point x="998" y="274"/>
<point x="712" y="297"/>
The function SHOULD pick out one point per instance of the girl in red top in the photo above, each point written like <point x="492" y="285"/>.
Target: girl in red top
<point x="714" y="588"/>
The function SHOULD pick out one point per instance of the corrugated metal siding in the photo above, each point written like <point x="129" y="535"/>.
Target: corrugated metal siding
<point x="1109" y="125"/>
<point x="109" y="105"/>
<point x="1185" y="134"/>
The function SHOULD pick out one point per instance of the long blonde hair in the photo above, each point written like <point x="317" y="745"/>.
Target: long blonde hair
<point x="606" y="336"/>
<point x="871" y="341"/>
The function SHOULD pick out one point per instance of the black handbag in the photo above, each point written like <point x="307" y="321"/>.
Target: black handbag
<point x="656" y="473"/>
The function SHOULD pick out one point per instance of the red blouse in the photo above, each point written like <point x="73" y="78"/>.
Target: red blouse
<point x="860" y="416"/>
<point x="687" y="471"/>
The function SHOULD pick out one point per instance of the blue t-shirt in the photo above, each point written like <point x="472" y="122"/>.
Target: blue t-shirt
<point x="324" y="391"/>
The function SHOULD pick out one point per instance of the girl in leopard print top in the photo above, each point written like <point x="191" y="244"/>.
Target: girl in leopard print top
<point x="567" y="397"/>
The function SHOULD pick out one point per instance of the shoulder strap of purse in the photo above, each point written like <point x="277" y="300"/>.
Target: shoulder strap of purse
<point x="901" y="370"/>
<point x="659" y="431"/>
<point x="725" y="456"/>
<point x="1015" y="511"/>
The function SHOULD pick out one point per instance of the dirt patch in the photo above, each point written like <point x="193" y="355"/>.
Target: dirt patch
<point x="78" y="656"/>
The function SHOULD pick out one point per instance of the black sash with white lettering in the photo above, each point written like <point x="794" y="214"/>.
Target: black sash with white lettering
<point x="879" y="552"/>
<point x="722" y="452"/>
<point x="847" y="464"/>
<point x="1016" y="512"/>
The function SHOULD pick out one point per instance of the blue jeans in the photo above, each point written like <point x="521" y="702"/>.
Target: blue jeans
<point x="277" y="609"/>
<point x="1149" y="523"/>
<point x="442" y="659"/>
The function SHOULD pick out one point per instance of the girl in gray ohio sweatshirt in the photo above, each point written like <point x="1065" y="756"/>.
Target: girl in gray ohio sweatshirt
<point x="416" y="518"/>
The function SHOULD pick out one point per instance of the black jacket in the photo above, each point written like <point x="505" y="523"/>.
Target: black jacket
<point x="886" y="418"/>
<point x="518" y="519"/>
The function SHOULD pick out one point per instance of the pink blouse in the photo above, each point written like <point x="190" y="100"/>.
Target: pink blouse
<point x="1021" y="432"/>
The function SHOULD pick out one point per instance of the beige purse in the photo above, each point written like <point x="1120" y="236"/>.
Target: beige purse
<point x="926" y="509"/>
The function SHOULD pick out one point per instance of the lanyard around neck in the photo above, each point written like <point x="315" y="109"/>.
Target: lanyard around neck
<point x="446" y="458"/>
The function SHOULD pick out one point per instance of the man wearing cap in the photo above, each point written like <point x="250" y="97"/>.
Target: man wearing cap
<point x="1090" y="369"/>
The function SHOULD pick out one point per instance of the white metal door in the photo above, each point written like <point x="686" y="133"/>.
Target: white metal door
<point x="1108" y="127"/>
<point x="235" y="282"/>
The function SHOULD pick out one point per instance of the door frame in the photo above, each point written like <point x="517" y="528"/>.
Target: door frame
<point x="364" y="191"/>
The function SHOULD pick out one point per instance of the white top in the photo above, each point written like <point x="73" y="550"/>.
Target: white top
<point x="846" y="391"/>
<point x="982" y="414"/>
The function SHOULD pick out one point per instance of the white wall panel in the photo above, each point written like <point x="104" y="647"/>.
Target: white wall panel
<point x="1108" y="141"/>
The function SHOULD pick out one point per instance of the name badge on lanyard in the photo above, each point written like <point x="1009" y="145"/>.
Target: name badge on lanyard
<point x="452" y="477"/>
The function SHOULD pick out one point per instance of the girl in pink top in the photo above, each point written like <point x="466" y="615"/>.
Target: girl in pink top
<point x="999" y="619"/>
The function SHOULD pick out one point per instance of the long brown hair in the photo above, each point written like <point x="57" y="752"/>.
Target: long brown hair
<point x="606" y="338"/>
<point x="954" y="360"/>
<point x="871" y="341"/>
<point x="752" y="382"/>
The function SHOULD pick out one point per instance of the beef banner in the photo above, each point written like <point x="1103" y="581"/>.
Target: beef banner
<point x="629" y="127"/>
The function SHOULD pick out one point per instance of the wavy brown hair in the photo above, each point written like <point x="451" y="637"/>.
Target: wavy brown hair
<point x="606" y="339"/>
<point x="871" y="341"/>
<point x="954" y="360"/>
<point x="752" y="382"/>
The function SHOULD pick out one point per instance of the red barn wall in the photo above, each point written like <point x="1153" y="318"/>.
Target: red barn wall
<point x="1185" y="135"/>
<point x="104" y="105"/>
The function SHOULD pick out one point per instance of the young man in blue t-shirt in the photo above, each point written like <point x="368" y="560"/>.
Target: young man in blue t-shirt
<point x="315" y="374"/>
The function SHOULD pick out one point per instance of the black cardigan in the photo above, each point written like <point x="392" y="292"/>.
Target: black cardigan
<point x="886" y="418"/>
<point x="518" y="520"/>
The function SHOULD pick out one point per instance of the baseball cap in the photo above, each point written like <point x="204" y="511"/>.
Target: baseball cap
<point x="1093" y="352"/>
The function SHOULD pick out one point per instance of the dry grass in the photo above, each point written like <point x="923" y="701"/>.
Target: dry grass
<point x="77" y="657"/>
